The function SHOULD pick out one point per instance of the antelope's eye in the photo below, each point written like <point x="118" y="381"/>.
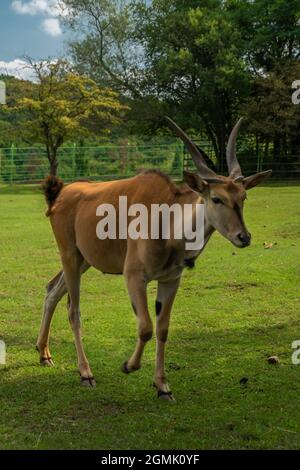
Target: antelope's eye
<point x="216" y="200"/>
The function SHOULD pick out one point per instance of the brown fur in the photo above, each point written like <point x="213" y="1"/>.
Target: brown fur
<point x="174" y="188"/>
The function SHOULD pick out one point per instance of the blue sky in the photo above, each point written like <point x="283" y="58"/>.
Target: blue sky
<point x="29" y="27"/>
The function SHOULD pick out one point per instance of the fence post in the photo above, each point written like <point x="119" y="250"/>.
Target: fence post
<point x="257" y="154"/>
<point x="12" y="151"/>
<point x="185" y="159"/>
<point x="183" y="163"/>
<point x="74" y="160"/>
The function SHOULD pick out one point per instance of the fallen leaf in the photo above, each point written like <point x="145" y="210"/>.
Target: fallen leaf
<point x="268" y="246"/>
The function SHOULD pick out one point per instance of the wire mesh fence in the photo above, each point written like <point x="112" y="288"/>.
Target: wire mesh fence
<point x="112" y="161"/>
<point x="30" y="165"/>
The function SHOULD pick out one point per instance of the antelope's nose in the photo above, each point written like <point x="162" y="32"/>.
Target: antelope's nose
<point x="245" y="238"/>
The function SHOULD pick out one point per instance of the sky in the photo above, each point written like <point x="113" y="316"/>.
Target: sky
<point x="28" y="27"/>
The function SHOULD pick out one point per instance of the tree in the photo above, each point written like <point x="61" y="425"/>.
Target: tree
<point x="198" y="60"/>
<point x="270" y="32"/>
<point x="106" y="49"/>
<point x="65" y="105"/>
<point x="11" y="122"/>
<point x="272" y="115"/>
<point x="194" y="57"/>
<point x="189" y="60"/>
<point x="270" y="35"/>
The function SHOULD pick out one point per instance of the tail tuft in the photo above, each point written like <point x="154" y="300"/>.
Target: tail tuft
<point x="52" y="186"/>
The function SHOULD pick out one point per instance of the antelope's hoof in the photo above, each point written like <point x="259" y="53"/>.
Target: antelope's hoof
<point x="89" y="382"/>
<point x="125" y="369"/>
<point x="166" y="396"/>
<point x="46" y="362"/>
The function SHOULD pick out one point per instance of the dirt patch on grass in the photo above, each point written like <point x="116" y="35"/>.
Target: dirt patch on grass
<point x="289" y="230"/>
<point x="239" y="286"/>
<point x="242" y="285"/>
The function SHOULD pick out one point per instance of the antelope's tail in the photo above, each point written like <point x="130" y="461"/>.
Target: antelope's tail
<point x="51" y="187"/>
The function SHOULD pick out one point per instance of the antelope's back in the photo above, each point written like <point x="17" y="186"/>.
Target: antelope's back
<point x="74" y="216"/>
<point x="150" y="187"/>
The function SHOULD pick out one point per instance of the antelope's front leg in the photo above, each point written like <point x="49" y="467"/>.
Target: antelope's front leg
<point x="136" y="285"/>
<point x="165" y="297"/>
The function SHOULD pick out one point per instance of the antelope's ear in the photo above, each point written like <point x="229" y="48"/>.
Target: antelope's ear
<point x="254" y="180"/>
<point x="195" y="182"/>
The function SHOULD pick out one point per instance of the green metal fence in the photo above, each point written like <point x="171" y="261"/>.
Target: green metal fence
<point x="30" y="165"/>
<point x="112" y="161"/>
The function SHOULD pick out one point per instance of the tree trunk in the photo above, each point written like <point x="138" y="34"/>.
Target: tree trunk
<point x="295" y="143"/>
<point x="222" y="164"/>
<point x="208" y="160"/>
<point x="221" y="135"/>
<point x="266" y="151"/>
<point x="53" y="167"/>
<point x="211" y="135"/>
<point x="52" y="158"/>
<point x="277" y="148"/>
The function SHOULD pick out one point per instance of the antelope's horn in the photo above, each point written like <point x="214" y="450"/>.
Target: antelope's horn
<point x="234" y="168"/>
<point x="205" y="172"/>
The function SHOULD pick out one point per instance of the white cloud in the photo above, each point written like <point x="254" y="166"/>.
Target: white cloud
<point x="52" y="27"/>
<point x="37" y="7"/>
<point x="50" y="8"/>
<point x="17" y="68"/>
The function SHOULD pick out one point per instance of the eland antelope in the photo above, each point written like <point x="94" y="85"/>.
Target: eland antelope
<point x="72" y="211"/>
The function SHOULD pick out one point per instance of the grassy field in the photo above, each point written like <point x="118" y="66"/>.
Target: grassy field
<point x="236" y="308"/>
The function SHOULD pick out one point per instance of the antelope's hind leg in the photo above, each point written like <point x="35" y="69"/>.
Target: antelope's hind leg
<point x="56" y="289"/>
<point x="165" y="297"/>
<point x="72" y="264"/>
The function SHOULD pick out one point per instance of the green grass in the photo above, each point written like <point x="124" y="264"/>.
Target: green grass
<point x="236" y="308"/>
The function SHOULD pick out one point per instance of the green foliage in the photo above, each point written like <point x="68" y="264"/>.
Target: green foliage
<point x="193" y="53"/>
<point x="11" y="122"/>
<point x="197" y="61"/>
<point x="65" y="105"/>
<point x="203" y="62"/>
<point x="106" y="50"/>
<point x="269" y="30"/>
<point x="275" y="119"/>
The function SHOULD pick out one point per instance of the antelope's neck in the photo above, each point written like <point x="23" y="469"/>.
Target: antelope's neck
<point x="208" y="231"/>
